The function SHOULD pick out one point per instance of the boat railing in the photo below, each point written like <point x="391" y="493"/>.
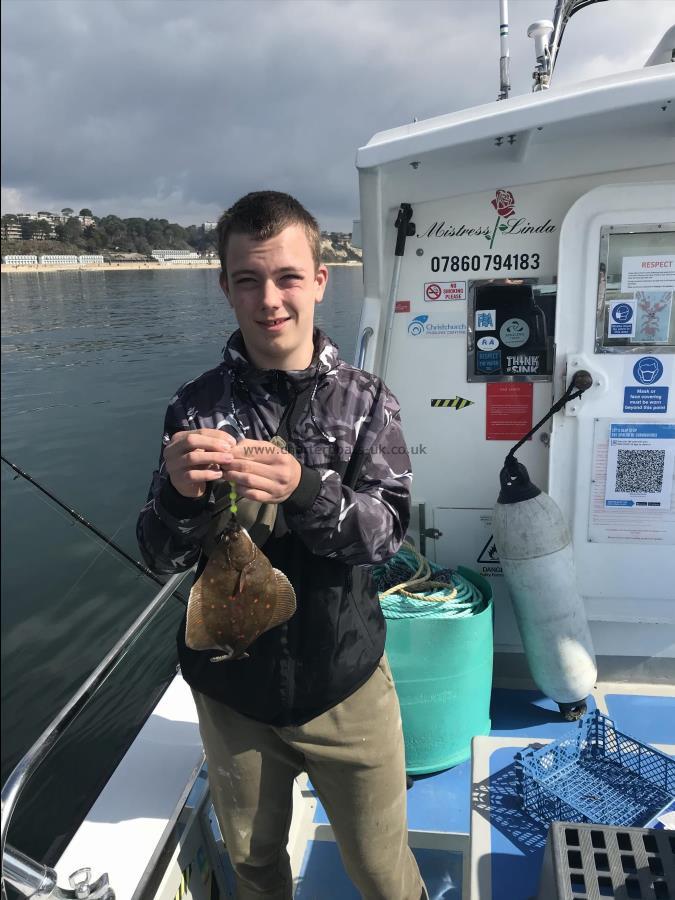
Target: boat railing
<point x="24" y="874"/>
<point x="366" y="335"/>
<point x="548" y="38"/>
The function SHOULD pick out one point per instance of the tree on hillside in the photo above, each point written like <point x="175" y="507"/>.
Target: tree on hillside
<point x="29" y="229"/>
<point x="45" y="228"/>
<point x="176" y="236"/>
<point x="95" y="239"/>
<point x="66" y="211"/>
<point x="116" y="232"/>
<point x="86" y="212"/>
<point x="70" y="232"/>
<point x="195" y="238"/>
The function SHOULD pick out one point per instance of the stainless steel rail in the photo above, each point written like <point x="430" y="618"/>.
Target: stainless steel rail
<point x="29" y="878"/>
<point x="32" y="879"/>
<point x="36" y="754"/>
<point x="363" y="346"/>
<point x="564" y="10"/>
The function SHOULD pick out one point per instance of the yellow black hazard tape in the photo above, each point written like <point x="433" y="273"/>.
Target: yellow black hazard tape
<point x="454" y="403"/>
<point x="184" y="883"/>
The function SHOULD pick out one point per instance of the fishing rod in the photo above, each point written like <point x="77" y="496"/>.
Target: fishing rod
<point x="73" y="513"/>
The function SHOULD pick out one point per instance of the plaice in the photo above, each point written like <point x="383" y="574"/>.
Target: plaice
<point x="238" y="597"/>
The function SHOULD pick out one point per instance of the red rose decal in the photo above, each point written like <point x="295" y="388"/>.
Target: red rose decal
<point x="504" y="202"/>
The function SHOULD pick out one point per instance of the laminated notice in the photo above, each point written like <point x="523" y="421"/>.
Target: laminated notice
<point x="632" y="498"/>
<point x="640" y="466"/>
<point x="648" y="273"/>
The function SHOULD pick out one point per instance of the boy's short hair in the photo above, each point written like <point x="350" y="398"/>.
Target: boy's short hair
<point x="263" y="215"/>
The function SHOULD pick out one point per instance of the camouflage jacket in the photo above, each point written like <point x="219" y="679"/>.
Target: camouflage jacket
<point x="350" y="510"/>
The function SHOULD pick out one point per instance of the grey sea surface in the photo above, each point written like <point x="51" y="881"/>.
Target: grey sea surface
<point x="89" y="363"/>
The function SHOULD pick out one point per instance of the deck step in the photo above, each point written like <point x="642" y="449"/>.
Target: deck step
<point x="323" y="876"/>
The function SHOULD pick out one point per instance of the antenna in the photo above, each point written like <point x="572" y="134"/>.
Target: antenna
<point x="541" y="31"/>
<point x="504" y="59"/>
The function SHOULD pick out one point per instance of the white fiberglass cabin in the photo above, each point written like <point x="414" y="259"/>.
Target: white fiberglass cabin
<point x="535" y="239"/>
<point x="539" y="222"/>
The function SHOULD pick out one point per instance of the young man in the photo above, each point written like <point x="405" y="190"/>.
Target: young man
<point x="315" y="694"/>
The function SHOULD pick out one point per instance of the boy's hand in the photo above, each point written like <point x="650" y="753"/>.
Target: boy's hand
<point x="194" y="458"/>
<point x="262" y="471"/>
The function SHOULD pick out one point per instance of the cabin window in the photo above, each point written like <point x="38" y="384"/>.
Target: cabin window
<point x="636" y="287"/>
<point x="510" y="329"/>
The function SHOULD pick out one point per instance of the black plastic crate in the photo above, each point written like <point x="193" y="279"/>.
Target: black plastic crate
<point x="595" y="862"/>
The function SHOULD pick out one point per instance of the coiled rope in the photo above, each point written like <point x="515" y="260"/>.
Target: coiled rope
<point x="410" y="587"/>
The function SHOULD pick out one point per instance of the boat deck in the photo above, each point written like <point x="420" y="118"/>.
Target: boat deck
<point x="173" y="849"/>
<point x="479" y="797"/>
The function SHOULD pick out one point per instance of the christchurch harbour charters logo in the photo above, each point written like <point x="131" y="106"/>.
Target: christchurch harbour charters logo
<point x="508" y="223"/>
<point x="417" y="325"/>
<point x="421" y="325"/>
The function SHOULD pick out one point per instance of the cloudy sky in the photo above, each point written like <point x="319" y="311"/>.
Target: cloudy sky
<point x="174" y="108"/>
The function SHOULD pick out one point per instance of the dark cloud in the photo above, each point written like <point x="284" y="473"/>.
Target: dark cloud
<point x="173" y="109"/>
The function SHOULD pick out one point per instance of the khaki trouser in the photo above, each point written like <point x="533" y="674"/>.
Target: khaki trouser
<point x="354" y="757"/>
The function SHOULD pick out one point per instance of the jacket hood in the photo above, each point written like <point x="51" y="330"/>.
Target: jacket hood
<point x="325" y="359"/>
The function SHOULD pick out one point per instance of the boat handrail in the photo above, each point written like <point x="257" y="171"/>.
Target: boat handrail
<point x="548" y="38"/>
<point x="36" y="754"/>
<point x="366" y="335"/>
<point x="564" y="10"/>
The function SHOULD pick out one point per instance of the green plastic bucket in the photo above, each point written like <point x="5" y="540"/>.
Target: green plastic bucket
<point x="442" y="669"/>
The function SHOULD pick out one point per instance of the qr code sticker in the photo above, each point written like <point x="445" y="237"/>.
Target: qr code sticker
<point x="640" y="471"/>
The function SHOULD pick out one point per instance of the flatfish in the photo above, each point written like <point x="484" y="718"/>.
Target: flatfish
<point x="238" y="597"/>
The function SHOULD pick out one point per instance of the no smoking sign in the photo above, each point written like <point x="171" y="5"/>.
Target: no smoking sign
<point x="435" y="291"/>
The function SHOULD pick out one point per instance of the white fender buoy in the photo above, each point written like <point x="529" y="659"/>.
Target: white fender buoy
<point x="535" y="552"/>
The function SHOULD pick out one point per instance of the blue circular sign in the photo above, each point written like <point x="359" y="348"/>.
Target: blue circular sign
<point x="648" y="370"/>
<point x="622" y="312"/>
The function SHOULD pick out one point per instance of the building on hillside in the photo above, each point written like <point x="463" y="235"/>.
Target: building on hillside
<point x="23" y="218"/>
<point x="208" y="226"/>
<point x="11" y="231"/>
<point x="20" y="259"/>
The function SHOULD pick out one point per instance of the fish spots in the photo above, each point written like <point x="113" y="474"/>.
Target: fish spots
<point x="238" y="597"/>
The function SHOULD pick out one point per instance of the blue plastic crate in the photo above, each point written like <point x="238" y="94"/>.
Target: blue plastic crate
<point x="597" y="775"/>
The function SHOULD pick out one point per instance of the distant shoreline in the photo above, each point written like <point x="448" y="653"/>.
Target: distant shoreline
<point x="117" y="266"/>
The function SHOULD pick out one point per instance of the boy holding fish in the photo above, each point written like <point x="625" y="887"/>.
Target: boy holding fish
<point x="285" y="475"/>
